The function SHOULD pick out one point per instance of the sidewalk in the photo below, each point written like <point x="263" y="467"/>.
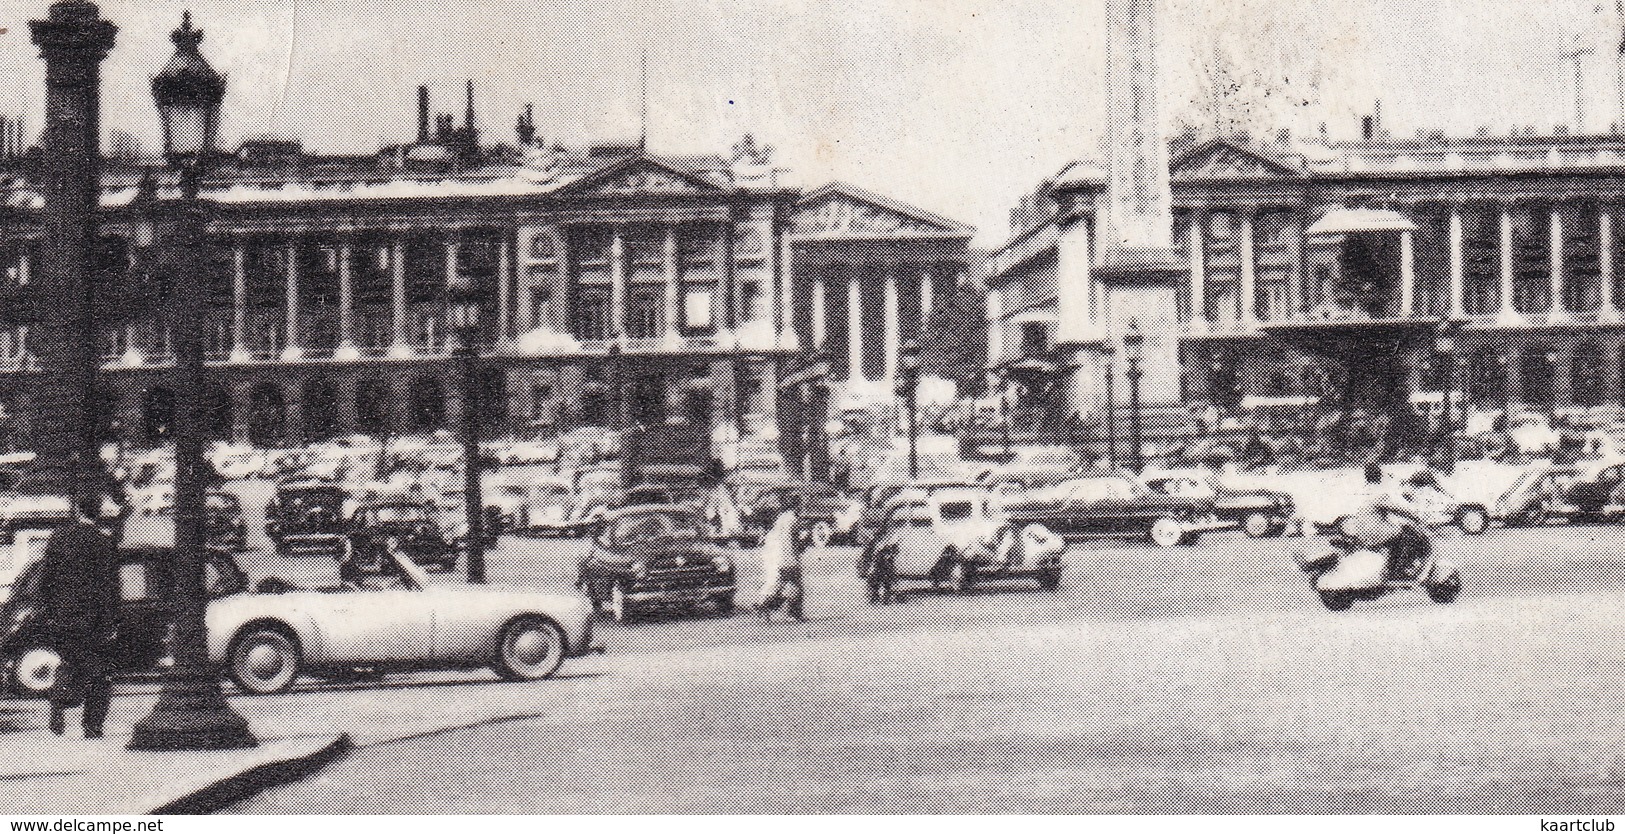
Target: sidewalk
<point x="43" y="774"/>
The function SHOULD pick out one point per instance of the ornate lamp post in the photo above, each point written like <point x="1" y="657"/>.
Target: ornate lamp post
<point x="1444" y="344"/>
<point x="463" y="315"/>
<point x="192" y="713"/>
<point x="1134" y="354"/>
<point x="909" y="383"/>
<point x="1108" y="354"/>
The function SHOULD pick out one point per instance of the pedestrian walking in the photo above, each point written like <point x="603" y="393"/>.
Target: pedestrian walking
<point x="79" y="577"/>
<point x="781" y="564"/>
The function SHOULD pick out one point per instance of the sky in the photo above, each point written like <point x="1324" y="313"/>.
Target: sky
<point x="957" y="106"/>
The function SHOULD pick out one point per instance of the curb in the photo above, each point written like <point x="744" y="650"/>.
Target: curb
<point x="234" y="789"/>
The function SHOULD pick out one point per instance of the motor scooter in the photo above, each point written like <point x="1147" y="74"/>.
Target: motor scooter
<point x="1350" y="572"/>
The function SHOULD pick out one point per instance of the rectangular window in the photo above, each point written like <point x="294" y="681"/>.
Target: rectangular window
<point x="697" y="308"/>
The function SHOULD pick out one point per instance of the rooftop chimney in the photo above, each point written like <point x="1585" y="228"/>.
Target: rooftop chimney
<point x="468" y="115"/>
<point x="423" y="113"/>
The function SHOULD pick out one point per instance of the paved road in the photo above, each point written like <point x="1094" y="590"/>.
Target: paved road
<point x="1203" y="679"/>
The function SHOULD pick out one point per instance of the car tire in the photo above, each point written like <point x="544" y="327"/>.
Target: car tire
<point x="31" y="672"/>
<point x="1258" y="525"/>
<point x="619" y="606"/>
<point x="1445" y="590"/>
<point x="529" y="648"/>
<point x="264" y="661"/>
<point x="1336" y="600"/>
<point x="723" y="605"/>
<point x="1473" y="521"/>
<point x="1166" y="532"/>
<point x="822" y="532"/>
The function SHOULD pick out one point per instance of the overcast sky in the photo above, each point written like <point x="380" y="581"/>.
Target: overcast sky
<point x="959" y="106"/>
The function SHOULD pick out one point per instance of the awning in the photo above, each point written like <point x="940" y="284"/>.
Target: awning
<point x="1342" y="221"/>
<point x="1035" y="317"/>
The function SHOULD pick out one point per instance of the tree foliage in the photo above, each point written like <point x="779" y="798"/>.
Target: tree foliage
<point x="954" y="344"/>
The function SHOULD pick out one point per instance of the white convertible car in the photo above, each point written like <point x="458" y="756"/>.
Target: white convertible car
<point x="394" y="619"/>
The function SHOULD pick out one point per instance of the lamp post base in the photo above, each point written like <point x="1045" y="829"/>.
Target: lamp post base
<point x="192" y="714"/>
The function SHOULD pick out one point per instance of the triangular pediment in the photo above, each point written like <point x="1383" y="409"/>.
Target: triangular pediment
<point x="1221" y="160"/>
<point x="641" y="175"/>
<point x="841" y="210"/>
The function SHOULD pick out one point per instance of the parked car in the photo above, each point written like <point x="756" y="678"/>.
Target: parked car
<point x="1591" y="495"/>
<point x="527" y="452"/>
<point x="144" y="617"/>
<point x="402" y="527"/>
<point x="1116" y="506"/>
<point x="223" y="520"/>
<point x="546" y="506"/>
<point x="383" y="615"/>
<point x="1537" y="496"/>
<point x="953" y="539"/>
<point x="310" y="518"/>
<point x="655" y="556"/>
<point x="1258" y="512"/>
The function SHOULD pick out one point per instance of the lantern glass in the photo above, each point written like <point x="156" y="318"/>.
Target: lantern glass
<point x="188" y="128"/>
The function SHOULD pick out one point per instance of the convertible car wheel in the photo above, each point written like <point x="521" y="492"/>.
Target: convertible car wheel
<point x="529" y="648"/>
<point x="264" y="661"/>
<point x="32" y="672"/>
<point x="1257" y="525"/>
<point x="1167" y="532"/>
<point x="1472" y="521"/>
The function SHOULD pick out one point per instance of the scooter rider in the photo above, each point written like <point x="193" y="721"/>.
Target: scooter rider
<point x="1388" y="521"/>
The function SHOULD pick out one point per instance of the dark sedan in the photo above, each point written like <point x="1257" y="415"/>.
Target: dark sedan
<point x="1258" y="512"/>
<point x="309" y="518"/>
<point x="1115" y="507"/>
<point x="403" y="527"/>
<point x="656" y="557"/>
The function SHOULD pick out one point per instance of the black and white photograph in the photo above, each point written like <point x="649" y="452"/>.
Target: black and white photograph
<point x="1137" y="408"/>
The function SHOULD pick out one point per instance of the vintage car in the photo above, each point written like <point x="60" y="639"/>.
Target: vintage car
<point x="828" y="514"/>
<point x="1116" y="506"/>
<point x="235" y="462"/>
<point x="1538" y="496"/>
<point x="1592" y="495"/>
<point x="527" y="452"/>
<point x="310" y="518"/>
<point x="380" y="619"/>
<point x="656" y="556"/>
<point x="402" y="527"/>
<point x="223" y="520"/>
<point x="598" y="490"/>
<point x="953" y="539"/>
<point x="1258" y="512"/>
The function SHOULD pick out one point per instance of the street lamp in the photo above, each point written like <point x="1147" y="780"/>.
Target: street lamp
<point x="463" y="316"/>
<point x="1134" y="353"/>
<point x="910" y="385"/>
<point x="1108" y="354"/>
<point x="1445" y="346"/>
<point x="191" y="713"/>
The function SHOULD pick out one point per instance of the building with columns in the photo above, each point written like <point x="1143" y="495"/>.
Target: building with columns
<point x="326" y="301"/>
<point x="1517" y="237"/>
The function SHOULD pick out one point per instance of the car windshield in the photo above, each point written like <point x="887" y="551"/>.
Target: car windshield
<point x="634" y="529"/>
<point x="1189" y="487"/>
<point x="322" y="499"/>
<point x="1100" y="489"/>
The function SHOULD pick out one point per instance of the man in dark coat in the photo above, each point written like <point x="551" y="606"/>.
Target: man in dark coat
<point x="79" y="580"/>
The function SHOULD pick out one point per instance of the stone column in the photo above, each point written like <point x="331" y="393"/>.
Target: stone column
<point x="892" y="332"/>
<point x="1508" y="314"/>
<point x="787" y="338"/>
<point x="1197" y="255"/>
<point x="239" y="303"/>
<point x="854" y="326"/>
<point x="347" y="350"/>
<point x="820" y="310"/>
<point x="1249" y="274"/>
<point x="928" y="299"/>
<point x="453" y="254"/>
<point x="292" y="350"/>
<point x="669" y="269"/>
<point x="617" y="283"/>
<point x="1557" y="314"/>
<point x="1407" y="274"/>
<point x="1458" y="279"/>
<point x="1608" y="306"/>
<point x="399" y="348"/>
<point x="504" y="287"/>
<point x="995" y="327"/>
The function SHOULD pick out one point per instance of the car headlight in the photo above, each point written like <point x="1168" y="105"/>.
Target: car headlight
<point x="723" y="564"/>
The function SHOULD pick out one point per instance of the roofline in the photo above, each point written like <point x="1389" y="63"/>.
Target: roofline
<point x="850" y="190"/>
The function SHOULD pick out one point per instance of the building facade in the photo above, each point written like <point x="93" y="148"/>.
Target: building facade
<point x="326" y="300"/>
<point x="1515" y="237"/>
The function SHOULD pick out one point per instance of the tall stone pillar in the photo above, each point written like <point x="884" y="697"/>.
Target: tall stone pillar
<point x="1249" y="273"/>
<point x="854" y="326"/>
<point x="347" y="350"/>
<point x="891" y="323"/>
<point x="1508" y="315"/>
<point x="1557" y="314"/>
<point x="73" y="41"/>
<point x="820" y="310"/>
<point x="398" y="348"/>
<point x="293" y="350"/>
<point x="669" y="272"/>
<point x="239" y="303"/>
<point x="1196" y="255"/>
<point x="1458" y="280"/>
<point x="504" y="327"/>
<point x="617" y="283"/>
<point x="1608" y="305"/>
<point x="1407" y="274"/>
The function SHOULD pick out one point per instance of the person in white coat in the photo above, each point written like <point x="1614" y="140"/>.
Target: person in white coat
<point x="781" y="564"/>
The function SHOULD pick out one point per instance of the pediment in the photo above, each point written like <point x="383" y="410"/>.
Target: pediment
<point x="1220" y="160"/>
<point x="642" y="175"/>
<point x="845" y="211"/>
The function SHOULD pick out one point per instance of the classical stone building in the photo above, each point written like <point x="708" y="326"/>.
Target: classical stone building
<point x="1300" y="255"/>
<point x="326" y="308"/>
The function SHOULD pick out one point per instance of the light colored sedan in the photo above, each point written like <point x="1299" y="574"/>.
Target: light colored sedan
<point x="390" y="618"/>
